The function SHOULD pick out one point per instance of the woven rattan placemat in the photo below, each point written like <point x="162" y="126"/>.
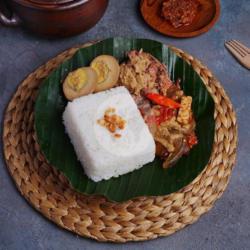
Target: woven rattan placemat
<point x="138" y="219"/>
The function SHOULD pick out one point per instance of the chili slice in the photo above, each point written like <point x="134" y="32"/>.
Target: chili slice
<point x="192" y="140"/>
<point x="166" y="113"/>
<point x="162" y="100"/>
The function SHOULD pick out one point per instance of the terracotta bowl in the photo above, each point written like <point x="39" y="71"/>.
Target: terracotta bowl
<point x="208" y="14"/>
<point x="54" y="18"/>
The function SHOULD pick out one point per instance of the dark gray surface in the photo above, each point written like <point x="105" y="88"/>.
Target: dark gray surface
<point x="227" y="225"/>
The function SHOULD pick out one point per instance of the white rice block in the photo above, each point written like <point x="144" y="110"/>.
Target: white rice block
<point x="102" y="155"/>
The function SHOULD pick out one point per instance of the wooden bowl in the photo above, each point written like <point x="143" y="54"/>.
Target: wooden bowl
<point x="208" y="14"/>
<point x="55" y="18"/>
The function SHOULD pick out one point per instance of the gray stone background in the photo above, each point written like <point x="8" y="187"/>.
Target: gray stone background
<point x="227" y="225"/>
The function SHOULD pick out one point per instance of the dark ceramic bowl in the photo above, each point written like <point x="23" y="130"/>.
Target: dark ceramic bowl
<point x="54" y="18"/>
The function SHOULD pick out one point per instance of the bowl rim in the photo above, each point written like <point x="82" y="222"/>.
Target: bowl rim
<point x="52" y="6"/>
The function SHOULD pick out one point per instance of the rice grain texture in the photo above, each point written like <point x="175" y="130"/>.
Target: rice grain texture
<point x="102" y="155"/>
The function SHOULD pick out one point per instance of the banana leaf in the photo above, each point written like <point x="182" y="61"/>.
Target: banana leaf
<point x="151" y="179"/>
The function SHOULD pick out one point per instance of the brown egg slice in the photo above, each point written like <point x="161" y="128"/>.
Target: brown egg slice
<point x="80" y="82"/>
<point x="107" y="69"/>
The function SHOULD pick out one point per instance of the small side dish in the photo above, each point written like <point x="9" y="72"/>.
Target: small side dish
<point x="181" y="18"/>
<point x="173" y="85"/>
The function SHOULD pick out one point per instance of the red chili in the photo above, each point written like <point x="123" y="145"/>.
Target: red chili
<point x="165" y="114"/>
<point x="192" y="140"/>
<point x="162" y="100"/>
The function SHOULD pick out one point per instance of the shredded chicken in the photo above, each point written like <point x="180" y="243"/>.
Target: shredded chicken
<point x="144" y="72"/>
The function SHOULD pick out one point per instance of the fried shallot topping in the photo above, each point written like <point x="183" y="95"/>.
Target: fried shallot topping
<point x="112" y="122"/>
